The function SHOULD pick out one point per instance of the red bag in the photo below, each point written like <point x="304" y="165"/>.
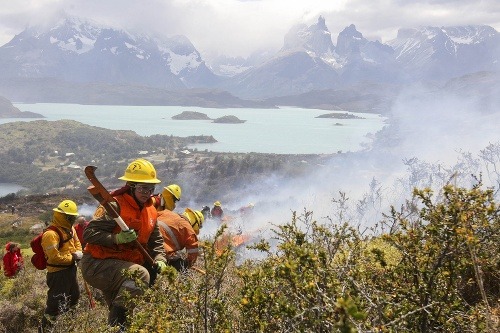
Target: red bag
<point x="38" y="259"/>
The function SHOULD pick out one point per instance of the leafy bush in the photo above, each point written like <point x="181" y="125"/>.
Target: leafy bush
<point x="436" y="270"/>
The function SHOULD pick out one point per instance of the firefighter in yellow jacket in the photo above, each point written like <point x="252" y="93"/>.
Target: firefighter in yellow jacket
<point x="64" y="291"/>
<point x="180" y="232"/>
<point x="110" y="251"/>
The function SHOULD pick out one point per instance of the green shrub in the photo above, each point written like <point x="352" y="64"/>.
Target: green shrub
<point x="436" y="270"/>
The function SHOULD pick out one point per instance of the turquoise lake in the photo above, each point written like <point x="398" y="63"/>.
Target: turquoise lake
<point x="285" y="130"/>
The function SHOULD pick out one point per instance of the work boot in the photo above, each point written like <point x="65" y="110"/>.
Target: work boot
<point x="117" y="317"/>
<point x="46" y="324"/>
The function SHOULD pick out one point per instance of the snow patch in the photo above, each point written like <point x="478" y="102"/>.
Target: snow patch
<point x="179" y="62"/>
<point x="86" y="44"/>
<point x="463" y="40"/>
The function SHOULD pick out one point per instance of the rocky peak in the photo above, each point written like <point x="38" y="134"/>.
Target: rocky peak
<point x="315" y="39"/>
<point x="349" y="41"/>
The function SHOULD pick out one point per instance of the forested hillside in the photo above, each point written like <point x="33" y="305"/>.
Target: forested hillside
<point x="49" y="157"/>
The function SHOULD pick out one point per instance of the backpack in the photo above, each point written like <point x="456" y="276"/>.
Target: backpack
<point x="38" y="259"/>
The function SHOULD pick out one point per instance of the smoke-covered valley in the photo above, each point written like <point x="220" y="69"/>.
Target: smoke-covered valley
<point x="434" y="137"/>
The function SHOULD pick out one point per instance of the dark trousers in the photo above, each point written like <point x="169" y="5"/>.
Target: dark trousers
<point x="153" y="273"/>
<point x="63" y="292"/>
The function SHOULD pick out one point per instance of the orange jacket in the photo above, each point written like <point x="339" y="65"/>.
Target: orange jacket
<point x="101" y="245"/>
<point x="177" y="234"/>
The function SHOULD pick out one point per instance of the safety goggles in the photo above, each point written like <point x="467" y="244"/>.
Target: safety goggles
<point x="145" y="189"/>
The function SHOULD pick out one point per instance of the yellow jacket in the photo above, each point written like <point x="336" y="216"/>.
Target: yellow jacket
<point x="61" y="257"/>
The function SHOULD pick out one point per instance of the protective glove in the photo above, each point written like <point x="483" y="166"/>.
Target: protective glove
<point x="161" y="267"/>
<point x="77" y="255"/>
<point x="125" y="236"/>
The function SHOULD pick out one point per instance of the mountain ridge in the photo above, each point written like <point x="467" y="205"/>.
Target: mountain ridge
<point x="79" y="52"/>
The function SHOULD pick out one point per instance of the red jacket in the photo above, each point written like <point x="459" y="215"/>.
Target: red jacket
<point x="12" y="261"/>
<point x="217" y="212"/>
<point x="79" y="228"/>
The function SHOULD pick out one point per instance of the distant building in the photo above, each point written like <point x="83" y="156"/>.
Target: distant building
<point x="183" y="153"/>
<point x="72" y="165"/>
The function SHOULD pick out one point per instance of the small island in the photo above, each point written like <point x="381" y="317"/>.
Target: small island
<point x="229" y="120"/>
<point x="191" y="115"/>
<point x="339" y="116"/>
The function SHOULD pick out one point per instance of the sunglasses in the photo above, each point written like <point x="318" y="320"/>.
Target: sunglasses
<point x="145" y="189"/>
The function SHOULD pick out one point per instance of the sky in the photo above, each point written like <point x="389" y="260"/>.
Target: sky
<point x="241" y="27"/>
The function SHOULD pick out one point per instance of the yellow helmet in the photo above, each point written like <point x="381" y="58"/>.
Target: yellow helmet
<point x="173" y="189"/>
<point x="200" y="217"/>
<point x="140" y="171"/>
<point x="217" y="203"/>
<point x="67" y="207"/>
<point x="196" y="219"/>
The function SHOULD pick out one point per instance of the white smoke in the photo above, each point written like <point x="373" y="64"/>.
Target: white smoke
<point x="87" y="210"/>
<point x="432" y="135"/>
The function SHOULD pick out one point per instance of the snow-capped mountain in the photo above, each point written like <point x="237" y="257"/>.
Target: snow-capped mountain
<point x="305" y="62"/>
<point x="315" y="39"/>
<point x="80" y="51"/>
<point x="361" y="60"/>
<point x="309" y="61"/>
<point x="447" y="52"/>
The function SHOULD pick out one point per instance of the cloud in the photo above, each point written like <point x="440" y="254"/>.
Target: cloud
<point x="238" y="28"/>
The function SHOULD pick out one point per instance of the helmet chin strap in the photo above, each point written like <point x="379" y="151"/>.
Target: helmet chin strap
<point x="162" y="202"/>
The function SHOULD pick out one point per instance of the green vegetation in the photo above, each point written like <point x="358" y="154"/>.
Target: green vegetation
<point x="436" y="270"/>
<point x="44" y="156"/>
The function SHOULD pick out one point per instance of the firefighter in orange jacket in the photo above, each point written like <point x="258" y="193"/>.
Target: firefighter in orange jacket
<point x="110" y="251"/>
<point x="64" y="291"/>
<point x="180" y="232"/>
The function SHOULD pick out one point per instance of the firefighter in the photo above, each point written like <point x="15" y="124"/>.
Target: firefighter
<point x="205" y="210"/>
<point x="13" y="261"/>
<point x="179" y="233"/>
<point x="170" y="195"/>
<point x="110" y="251"/>
<point x="247" y="210"/>
<point x="217" y="212"/>
<point x="80" y="224"/>
<point x="64" y="291"/>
